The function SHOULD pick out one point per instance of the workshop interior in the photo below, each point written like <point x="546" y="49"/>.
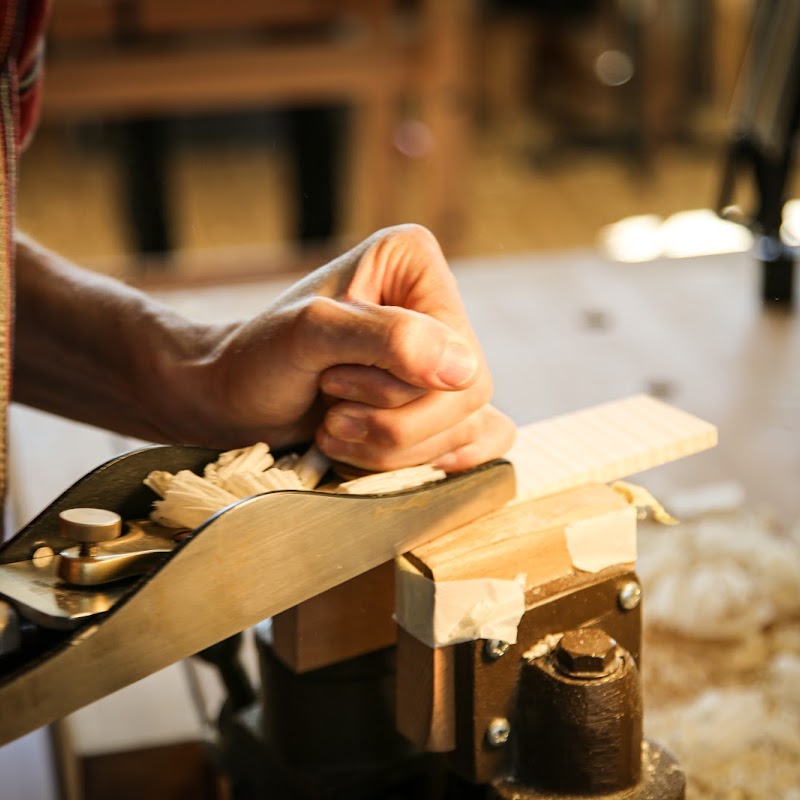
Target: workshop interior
<point x="613" y="183"/>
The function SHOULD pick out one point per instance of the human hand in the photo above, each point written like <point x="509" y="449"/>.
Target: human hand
<point x="371" y="354"/>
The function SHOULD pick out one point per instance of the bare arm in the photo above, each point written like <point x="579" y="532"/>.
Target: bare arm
<point x="93" y="349"/>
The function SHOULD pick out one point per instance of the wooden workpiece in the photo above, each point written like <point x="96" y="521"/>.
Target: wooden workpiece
<point x="604" y="443"/>
<point x="425" y="701"/>
<point x="525" y="537"/>
<point x="348" y="620"/>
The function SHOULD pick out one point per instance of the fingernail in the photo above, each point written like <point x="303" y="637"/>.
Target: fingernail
<point x="446" y="462"/>
<point x="458" y="364"/>
<point x="346" y="428"/>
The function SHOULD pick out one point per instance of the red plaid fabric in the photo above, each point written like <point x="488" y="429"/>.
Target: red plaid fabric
<point x="21" y="27"/>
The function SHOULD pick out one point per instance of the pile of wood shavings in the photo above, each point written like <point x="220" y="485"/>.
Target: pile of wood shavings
<point x="188" y="500"/>
<point x="721" y="664"/>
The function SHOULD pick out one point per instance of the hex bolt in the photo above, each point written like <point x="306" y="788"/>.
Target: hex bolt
<point x="577" y="735"/>
<point x="629" y="596"/>
<point x="498" y="732"/>
<point x="495" y="648"/>
<point x="586" y="653"/>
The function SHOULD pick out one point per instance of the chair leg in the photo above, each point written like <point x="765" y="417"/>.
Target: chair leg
<point x="315" y="134"/>
<point x="143" y="149"/>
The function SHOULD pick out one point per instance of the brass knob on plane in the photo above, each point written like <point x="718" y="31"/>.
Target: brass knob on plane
<point x="89" y="526"/>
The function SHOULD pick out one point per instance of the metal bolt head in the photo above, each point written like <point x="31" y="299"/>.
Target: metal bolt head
<point x="89" y="525"/>
<point x="498" y="732"/>
<point x="43" y="556"/>
<point x="586" y="652"/>
<point x="629" y="596"/>
<point x="495" y="648"/>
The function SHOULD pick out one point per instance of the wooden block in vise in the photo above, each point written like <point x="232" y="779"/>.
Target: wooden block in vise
<point x="530" y="537"/>
<point x="425" y="694"/>
<point x="349" y="620"/>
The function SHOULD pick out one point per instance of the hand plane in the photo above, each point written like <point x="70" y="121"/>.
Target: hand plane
<point x="96" y="615"/>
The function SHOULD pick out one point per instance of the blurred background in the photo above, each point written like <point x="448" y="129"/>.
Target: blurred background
<point x="192" y="140"/>
<point x="572" y="157"/>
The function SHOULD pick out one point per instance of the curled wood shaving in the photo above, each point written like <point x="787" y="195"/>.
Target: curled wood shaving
<point x="394" y="481"/>
<point x="288" y="461"/>
<point x="282" y="479"/>
<point x="256" y="458"/>
<point x="543" y="646"/>
<point x="188" y="500"/>
<point x="644" y="502"/>
<point x="159" y="482"/>
<point x="311" y="467"/>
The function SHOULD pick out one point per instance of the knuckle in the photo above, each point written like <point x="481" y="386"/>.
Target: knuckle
<point x="407" y="240"/>
<point x="312" y="324"/>
<point x="417" y="234"/>
<point x="399" y="337"/>
<point x="382" y="461"/>
<point x="388" y="431"/>
<point x="483" y="391"/>
<point x="473" y="427"/>
<point x="411" y="232"/>
<point x="499" y="431"/>
<point x="314" y="313"/>
<point x="386" y="395"/>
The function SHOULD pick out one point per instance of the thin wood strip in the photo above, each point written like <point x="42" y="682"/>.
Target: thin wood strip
<point x="604" y="443"/>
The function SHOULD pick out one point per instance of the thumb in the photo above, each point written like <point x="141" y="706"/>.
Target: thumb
<point x="414" y="347"/>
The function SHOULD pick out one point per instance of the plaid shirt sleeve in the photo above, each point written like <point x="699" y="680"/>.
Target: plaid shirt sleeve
<point x="30" y="60"/>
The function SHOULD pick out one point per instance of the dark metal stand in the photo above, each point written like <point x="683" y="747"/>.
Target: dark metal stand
<point x="144" y="152"/>
<point x="767" y="119"/>
<point x="328" y="733"/>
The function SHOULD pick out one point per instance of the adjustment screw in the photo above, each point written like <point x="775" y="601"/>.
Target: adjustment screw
<point x="586" y="652"/>
<point x="630" y="595"/>
<point x="495" y="648"/>
<point x="498" y="732"/>
<point x="89" y="526"/>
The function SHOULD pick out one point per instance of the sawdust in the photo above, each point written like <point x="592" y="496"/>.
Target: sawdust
<point x="721" y="667"/>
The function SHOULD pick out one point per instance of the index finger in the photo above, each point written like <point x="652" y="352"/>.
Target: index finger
<point x="414" y="347"/>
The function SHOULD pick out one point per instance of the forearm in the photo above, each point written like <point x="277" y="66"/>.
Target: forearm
<point x="92" y="349"/>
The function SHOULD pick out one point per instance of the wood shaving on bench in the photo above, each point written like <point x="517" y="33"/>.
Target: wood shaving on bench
<point x="188" y="500"/>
